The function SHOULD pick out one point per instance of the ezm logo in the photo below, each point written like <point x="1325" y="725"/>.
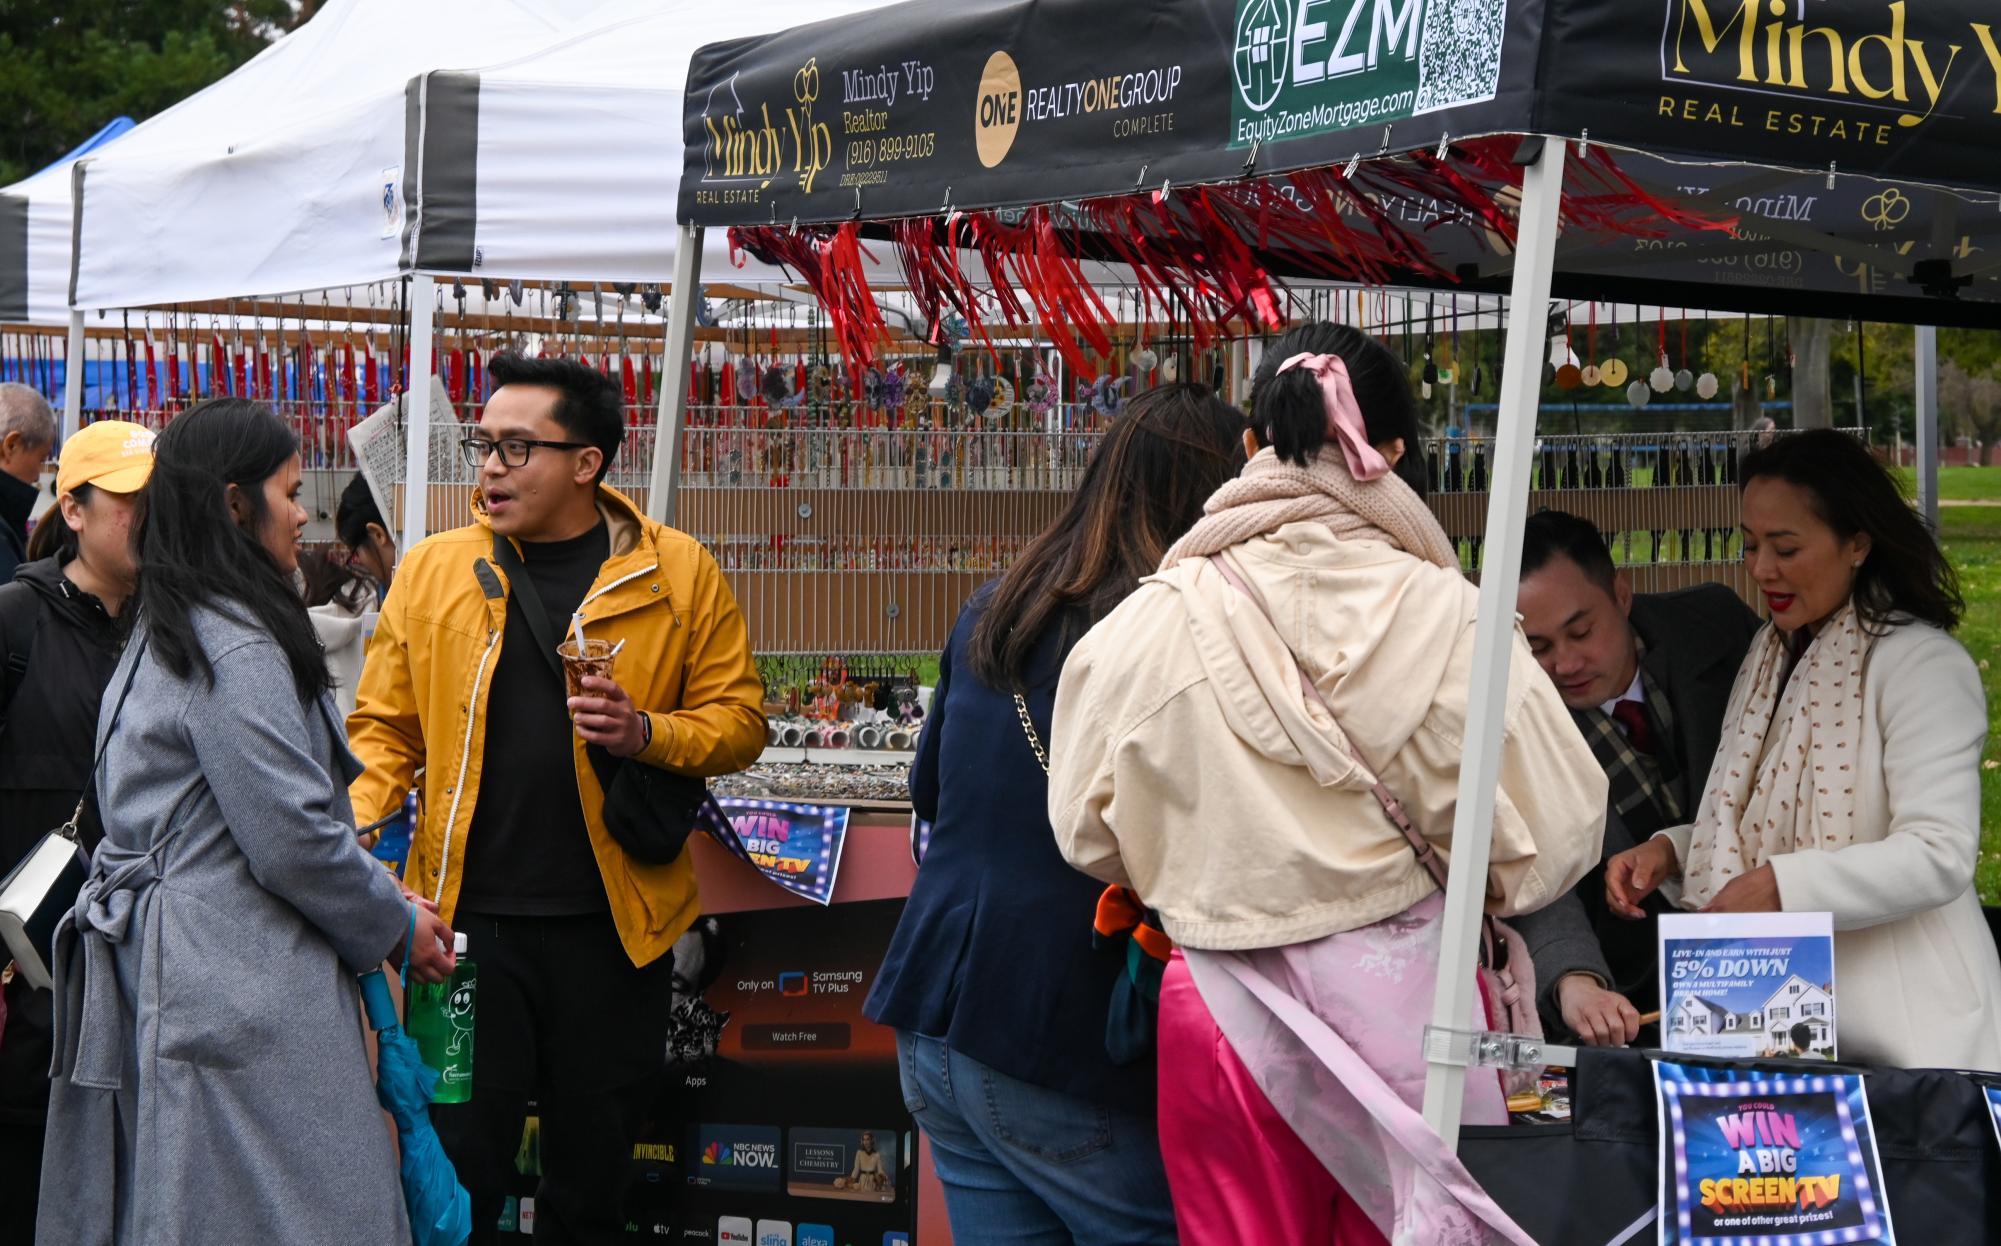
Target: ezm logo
<point x="1272" y="48"/>
<point x="1750" y="45"/>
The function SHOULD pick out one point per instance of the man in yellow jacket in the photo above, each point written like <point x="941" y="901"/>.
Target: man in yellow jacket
<point x="570" y="933"/>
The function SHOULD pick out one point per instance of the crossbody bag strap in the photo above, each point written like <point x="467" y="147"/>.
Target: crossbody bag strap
<point x="529" y="599"/>
<point x="69" y="829"/>
<point x="19" y="609"/>
<point x="1427" y="855"/>
<point x="537" y="617"/>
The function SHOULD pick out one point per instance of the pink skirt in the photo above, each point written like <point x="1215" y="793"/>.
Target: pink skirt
<point x="1290" y="1086"/>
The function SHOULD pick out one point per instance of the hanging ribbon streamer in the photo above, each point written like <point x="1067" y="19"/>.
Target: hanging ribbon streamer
<point x="1201" y="254"/>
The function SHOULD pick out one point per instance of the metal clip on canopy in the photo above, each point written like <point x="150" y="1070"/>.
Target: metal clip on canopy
<point x="1490" y="1049"/>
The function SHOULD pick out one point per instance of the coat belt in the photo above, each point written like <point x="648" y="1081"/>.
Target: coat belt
<point x="91" y="1019"/>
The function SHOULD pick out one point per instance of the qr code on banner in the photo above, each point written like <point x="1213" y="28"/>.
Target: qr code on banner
<point x="1459" y="61"/>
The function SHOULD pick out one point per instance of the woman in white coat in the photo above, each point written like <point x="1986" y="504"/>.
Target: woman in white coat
<point x="1848" y="780"/>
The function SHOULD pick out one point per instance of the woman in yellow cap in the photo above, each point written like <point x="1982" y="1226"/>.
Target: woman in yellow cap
<point x="60" y="637"/>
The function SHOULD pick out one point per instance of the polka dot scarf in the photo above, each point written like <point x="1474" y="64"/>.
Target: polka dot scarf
<point x="1785" y="780"/>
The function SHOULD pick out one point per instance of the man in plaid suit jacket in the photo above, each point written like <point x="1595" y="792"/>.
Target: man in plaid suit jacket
<point x="1647" y="679"/>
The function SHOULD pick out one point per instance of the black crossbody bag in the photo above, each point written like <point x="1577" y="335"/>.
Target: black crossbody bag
<point x="649" y="811"/>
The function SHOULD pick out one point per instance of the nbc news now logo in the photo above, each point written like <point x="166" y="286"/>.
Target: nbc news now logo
<point x="740" y="1155"/>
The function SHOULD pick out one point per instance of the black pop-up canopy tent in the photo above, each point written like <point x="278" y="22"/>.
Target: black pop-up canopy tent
<point x="1721" y="106"/>
<point x="1821" y="157"/>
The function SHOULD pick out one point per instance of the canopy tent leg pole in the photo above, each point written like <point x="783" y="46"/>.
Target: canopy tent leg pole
<point x="687" y="293"/>
<point x="1927" y="387"/>
<point x="1494" y="634"/>
<point x="73" y="377"/>
<point x="417" y="416"/>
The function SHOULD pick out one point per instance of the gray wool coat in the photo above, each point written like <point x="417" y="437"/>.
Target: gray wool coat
<point x="211" y="1085"/>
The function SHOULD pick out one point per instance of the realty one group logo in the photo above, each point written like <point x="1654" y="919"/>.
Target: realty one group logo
<point x="1006" y="102"/>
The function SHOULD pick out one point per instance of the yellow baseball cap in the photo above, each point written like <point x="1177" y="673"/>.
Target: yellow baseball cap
<point x="113" y="455"/>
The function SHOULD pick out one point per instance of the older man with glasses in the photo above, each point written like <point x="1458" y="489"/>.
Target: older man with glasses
<point x="27" y="432"/>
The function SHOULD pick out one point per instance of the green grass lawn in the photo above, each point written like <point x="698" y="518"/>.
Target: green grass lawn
<point x="1972" y="538"/>
<point x="1964" y="484"/>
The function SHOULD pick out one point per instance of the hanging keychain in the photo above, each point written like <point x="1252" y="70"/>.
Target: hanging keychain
<point x="1430" y="373"/>
<point x="1707" y="384"/>
<point x="1684" y="380"/>
<point x="152" y="377"/>
<point x="1589" y="375"/>
<point x="131" y="369"/>
<point x="1568" y="375"/>
<point x="173" y="364"/>
<point x="1771" y="358"/>
<point x="1613" y="372"/>
<point x="1662" y="378"/>
<point x="1744" y="370"/>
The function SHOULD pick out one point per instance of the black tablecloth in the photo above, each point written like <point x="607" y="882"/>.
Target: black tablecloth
<point x="1585" y="1183"/>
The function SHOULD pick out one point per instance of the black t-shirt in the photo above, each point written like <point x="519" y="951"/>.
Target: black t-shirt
<point x="529" y="852"/>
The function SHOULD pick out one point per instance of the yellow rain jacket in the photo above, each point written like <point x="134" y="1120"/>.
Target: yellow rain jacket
<point x="424" y="688"/>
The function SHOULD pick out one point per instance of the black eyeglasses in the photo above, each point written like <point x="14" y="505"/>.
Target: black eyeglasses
<point x="513" y="450"/>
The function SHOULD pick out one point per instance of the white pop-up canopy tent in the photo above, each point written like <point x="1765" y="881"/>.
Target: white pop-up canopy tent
<point x="352" y="152"/>
<point x="555" y="165"/>
<point x="288" y="174"/>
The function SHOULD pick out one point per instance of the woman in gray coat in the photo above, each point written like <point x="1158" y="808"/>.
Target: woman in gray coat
<point x="211" y="1083"/>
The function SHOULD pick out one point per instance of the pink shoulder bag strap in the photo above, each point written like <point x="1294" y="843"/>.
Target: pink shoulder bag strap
<point x="1504" y="958"/>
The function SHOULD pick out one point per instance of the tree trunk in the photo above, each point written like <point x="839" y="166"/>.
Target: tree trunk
<point x="1813" y="393"/>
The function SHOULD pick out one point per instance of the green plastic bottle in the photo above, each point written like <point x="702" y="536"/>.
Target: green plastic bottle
<point x="440" y="1017"/>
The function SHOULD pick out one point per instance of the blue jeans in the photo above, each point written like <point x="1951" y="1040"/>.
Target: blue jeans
<point x="1023" y="1165"/>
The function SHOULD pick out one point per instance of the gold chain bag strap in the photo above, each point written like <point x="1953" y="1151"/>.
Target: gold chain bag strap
<point x="1028" y="729"/>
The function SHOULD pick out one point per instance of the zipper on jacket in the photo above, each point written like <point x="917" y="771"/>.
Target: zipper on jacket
<point x="465" y="760"/>
<point x="637" y="575"/>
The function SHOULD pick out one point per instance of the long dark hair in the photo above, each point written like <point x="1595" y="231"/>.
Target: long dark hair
<point x="1906" y="573"/>
<point x="331" y="579"/>
<point x="1289" y="414"/>
<point x="193" y="553"/>
<point x="1168" y="450"/>
<point x="355" y="512"/>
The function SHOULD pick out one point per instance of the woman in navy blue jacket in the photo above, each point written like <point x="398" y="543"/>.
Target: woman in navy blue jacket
<point x="998" y="996"/>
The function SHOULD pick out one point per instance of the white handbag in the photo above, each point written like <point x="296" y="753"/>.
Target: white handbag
<point x="34" y="897"/>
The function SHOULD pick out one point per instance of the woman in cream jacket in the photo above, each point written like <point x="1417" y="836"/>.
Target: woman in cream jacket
<point x="1188" y="763"/>
<point x="1852" y="785"/>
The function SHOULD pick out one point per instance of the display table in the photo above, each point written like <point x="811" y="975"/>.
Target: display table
<point x="1593" y="1181"/>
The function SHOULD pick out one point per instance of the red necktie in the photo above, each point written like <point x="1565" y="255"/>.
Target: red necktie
<point x="1639" y="729"/>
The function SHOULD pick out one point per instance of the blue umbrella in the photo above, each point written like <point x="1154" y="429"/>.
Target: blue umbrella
<point x="440" y="1212"/>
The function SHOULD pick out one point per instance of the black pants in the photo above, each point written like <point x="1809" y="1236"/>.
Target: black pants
<point x="24" y="1106"/>
<point x="562" y="1018"/>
